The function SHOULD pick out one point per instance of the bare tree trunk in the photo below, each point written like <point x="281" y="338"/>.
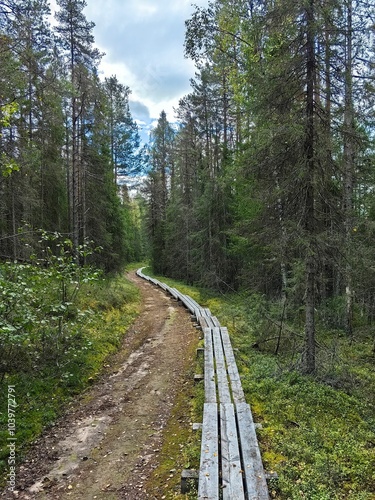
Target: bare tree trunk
<point x="75" y="177"/>
<point x="310" y="264"/>
<point x="14" y="220"/>
<point x="348" y="170"/>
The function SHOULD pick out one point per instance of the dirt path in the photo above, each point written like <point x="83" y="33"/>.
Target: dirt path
<point x="108" y="443"/>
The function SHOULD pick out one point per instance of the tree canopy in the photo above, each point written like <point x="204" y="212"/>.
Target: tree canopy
<point x="65" y="136"/>
<point x="271" y="189"/>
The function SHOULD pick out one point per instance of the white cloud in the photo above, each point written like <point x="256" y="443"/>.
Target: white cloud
<point x="143" y="44"/>
<point x="143" y="41"/>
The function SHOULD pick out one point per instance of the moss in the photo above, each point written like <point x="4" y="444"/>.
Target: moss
<point x="318" y="433"/>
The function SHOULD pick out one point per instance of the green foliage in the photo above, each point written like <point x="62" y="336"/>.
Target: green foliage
<point x="317" y="439"/>
<point x="8" y="165"/>
<point x="54" y="337"/>
<point x="7" y="112"/>
<point x="39" y="306"/>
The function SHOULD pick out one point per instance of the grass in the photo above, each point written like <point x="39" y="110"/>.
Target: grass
<point x="110" y="307"/>
<point x="318" y="433"/>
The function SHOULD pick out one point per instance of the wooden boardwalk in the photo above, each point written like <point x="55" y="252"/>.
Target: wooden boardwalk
<point x="231" y="465"/>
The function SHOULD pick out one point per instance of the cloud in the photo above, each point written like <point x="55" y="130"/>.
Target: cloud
<point x="139" y="110"/>
<point x="143" y="41"/>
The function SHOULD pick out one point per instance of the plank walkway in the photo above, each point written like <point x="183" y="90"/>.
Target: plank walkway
<point x="231" y="465"/>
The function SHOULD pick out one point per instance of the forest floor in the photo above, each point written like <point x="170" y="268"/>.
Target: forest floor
<point x="108" y="443"/>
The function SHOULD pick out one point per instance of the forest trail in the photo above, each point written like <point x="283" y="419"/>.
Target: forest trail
<point x="107" y="444"/>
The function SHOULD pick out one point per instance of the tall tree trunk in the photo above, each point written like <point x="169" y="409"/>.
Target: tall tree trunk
<point x="75" y="177"/>
<point x="348" y="170"/>
<point x="310" y="262"/>
<point x="14" y="220"/>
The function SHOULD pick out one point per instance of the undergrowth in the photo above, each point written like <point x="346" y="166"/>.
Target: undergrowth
<point x="317" y="433"/>
<point x="78" y="335"/>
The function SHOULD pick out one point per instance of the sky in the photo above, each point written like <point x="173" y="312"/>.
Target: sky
<point x="144" y="45"/>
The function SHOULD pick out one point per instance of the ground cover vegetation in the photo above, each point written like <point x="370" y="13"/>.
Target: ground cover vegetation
<point x="317" y="432"/>
<point x="59" y="324"/>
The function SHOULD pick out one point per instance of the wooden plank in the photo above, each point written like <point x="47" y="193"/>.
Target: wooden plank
<point x="221" y="371"/>
<point x="255" y="478"/>
<point x="193" y="302"/>
<point x="204" y="311"/>
<point x="208" y="486"/>
<point x="167" y="288"/>
<point x="209" y="368"/>
<point x="235" y="380"/>
<point x="216" y="321"/>
<point x="163" y="286"/>
<point x="159" y="283"/>
<point x="140" y="273"/>
<point x="202" y="320"/>
<point x="209" y="322"/>
<point x="187" y="301"/>
<point x="174" y="292"/>
<point x="231" y="468"/>
<point x="213" y="321"/>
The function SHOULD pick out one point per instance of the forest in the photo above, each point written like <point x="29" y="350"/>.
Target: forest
<point x="268" y="184"/>
<point x="261" y="193"/>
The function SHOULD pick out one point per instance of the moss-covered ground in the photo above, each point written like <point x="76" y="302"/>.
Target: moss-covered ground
<point x="318" y="432"/>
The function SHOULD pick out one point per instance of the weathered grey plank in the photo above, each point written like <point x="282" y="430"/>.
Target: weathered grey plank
<point x="209" y="321"/>
<point x="255" y="478"/>
<point x="190" y="305"/>
<point x="213" y="321"/>
<point x="230" y="455"/>
<point x="173" y="292"/>
<point x="195" y="303"/>
<point x="202" y="320"/>
<point x="164" y="286"/>
<point x="177" y="294"/>
<point x="235" y="381"/>
<point x="208" y="486"/>
<point x="209" y="368"/>
<point x="221" y="371"/>
<point x="216" y="322"/>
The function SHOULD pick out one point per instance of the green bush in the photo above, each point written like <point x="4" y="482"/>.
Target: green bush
<point x="58" y="323"/>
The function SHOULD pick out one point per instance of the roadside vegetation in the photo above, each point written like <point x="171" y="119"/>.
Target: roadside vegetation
<point x="317" y="432"/>
<point x="60" y="321"/>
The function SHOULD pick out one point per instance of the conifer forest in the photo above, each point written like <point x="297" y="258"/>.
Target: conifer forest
<point x="261" y="193"/>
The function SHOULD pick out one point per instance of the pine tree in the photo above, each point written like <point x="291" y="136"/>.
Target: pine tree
<point x="77" y="40"/>
<point x="125" y="140"/>
<point x="162" y="165"/>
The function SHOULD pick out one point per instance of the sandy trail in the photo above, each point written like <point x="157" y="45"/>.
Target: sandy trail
<point x="107" y="444"/>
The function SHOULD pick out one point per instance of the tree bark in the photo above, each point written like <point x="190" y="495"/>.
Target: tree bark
<point x="348" y="170"/>
<point x="310" y="258"/>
